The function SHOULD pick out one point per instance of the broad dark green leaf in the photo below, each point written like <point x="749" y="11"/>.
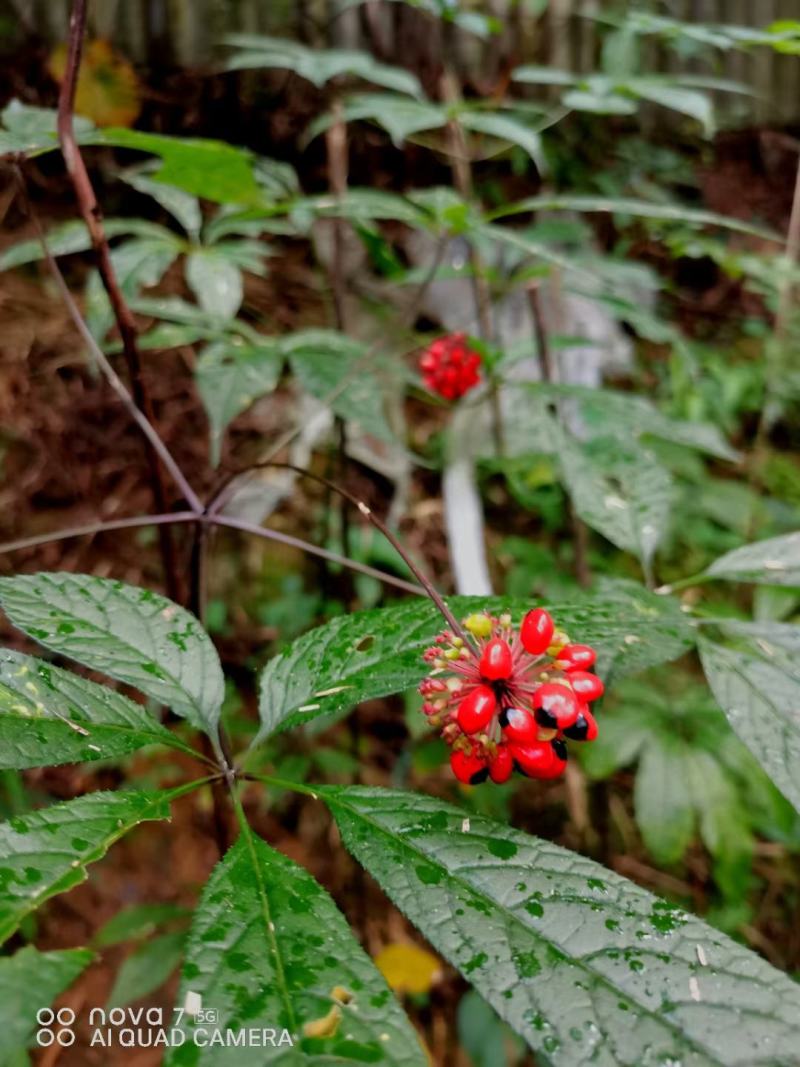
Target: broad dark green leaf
<point x="130" y="634"/>
<point x="50" y="716"/>
<point x="268" y="948"/>
<point x="588" y="967"/>
<point x="147" y="968"/>
<point x="775" y="561"/>
<point x="231" y="375"/>
<point x="31" y="980"/>
<point x="756" y="682"/>
<point x="374" y="653"/>
<point x="622" y="491"/>
<point x="47" y="851"/>
<point x="318" y="66"/>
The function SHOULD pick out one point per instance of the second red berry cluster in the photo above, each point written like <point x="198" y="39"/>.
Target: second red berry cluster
<point x="450" y="367"/>
<point x="508" y="699"/>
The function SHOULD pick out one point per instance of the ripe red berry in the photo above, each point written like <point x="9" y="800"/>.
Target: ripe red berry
<point x="576" y="657"/>
<point x="586" y="686"/>
<point x="556" y="707"/>
<point x="559" y="763"/>
<point x="469" y="768"/>
<point x="584" y="728"/>
<point x="496" y="661"/>
<point x="534" y="760"/>
<point x="536" y="631"/>
<point x="476" y="710"/>
<point x="519" y="726"/>
<point x="449" y="367"/>
<point x="502" y="766"/>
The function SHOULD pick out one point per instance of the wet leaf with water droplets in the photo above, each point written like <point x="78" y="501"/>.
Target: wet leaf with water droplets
<point x="46" y="852"/>
<point x="130" y="634"/>
<point x="50" y="716"/>
<point x="268" y="948"/>
<point x="775" y="561"/>
<point x="586" y="966"/>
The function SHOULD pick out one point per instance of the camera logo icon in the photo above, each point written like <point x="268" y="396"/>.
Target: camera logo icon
<point x="55" y="1027"/>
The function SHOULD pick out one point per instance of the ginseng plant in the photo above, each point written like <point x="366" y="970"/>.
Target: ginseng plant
<point x="585" y="965"/>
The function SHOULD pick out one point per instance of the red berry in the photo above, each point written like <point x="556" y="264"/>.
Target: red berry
<point x="469" y="768"/>
<point x="502" y="766"/>
<point x="536" y="631"/>
<point x="556" y="707"/>
<point x="476" y="710"/>
<point x="584" y="728"/>
<point x="519" y="726"/>
<point x="534" y="760"/>
<point x="586" y="686"/>
<point x="559" y="763"/>
<point x="496" y="661"/>
<point x="449" y="367"/>
<point x="576" y="657"/>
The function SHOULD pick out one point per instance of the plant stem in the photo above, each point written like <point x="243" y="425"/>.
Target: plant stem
<point x="92" y="216"/>
<point x="93" y="528"/>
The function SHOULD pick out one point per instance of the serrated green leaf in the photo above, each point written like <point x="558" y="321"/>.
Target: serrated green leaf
<point x="268" y="947"/>
<point x="230" y="377"/>
<point x="375" y="653"/>
<point x="757" y="685"/>
<point x="147" y="968"/>
<point x="317" y="65"/>
<point x="133" y="635"/>
<point x="29" y="981"/>
<point x="47" y="851"/>
<point x="50" y="716"/>
<point x="215" y="282"/>
<point x="588" y="967"/>
<point x="623" y="492"/>
<point x="775" y="561"/>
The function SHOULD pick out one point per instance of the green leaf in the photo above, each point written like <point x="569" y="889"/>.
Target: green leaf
<point x="374" y="653"/>
<point x="329" y="364"/>
<point x="268" y="947"/>
<point x="147" y="968"/>
<point x="663" y="800"/>
<point x="136" y="922"/>
<point x="73" y="237"/>
<point x="585" y="965"/>
<point x="757" y="685"/>
<point x="689" y="102"/>
<point x="621" y="491"/>
<point x="215" y="281"/>
<point x="316" y="65"/>
<point x="133" y="635"/>
<point x="30" y="130"/>
<point x="533" y="75"/>
<point x="230" y="377"/>
<point x="775" y="561"/>
<point x="50" y="716"/>
<point x="181" y="205"/>
<point x="400" y="116"/>
<point x="46" y="852"/>
<point x="505" y="128"/>
<point x="600" y="100"/>
<point x="29" y="981"/>
<point x="622" y="205"/>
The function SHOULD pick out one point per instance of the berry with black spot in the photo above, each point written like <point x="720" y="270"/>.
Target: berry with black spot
<point x="584" y="728"/>
<point x="518" y="726"/>
<point x="535" y="760"/>
<point x="555" y="706"/>
<point x="469" y="767"/>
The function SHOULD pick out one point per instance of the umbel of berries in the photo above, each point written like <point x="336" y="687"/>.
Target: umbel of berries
<point x="508" y="698"/>
<point x="450" y="367"/>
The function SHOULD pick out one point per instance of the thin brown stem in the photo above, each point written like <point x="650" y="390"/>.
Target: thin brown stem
<point x="93" y="528"/>
<point x="372" y="518"/>
<point x="93" y="218"/>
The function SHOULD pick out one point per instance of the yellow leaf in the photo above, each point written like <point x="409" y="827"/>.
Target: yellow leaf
<point x="108" y="90"/>
<point x="408" y="968"/>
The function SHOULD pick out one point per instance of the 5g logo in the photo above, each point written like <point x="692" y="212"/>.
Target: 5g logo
<point x="55" y="1027"/>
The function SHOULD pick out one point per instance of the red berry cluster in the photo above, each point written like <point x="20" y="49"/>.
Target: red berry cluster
<point x="508" y="699"/>
<point x="449" y="367"/>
